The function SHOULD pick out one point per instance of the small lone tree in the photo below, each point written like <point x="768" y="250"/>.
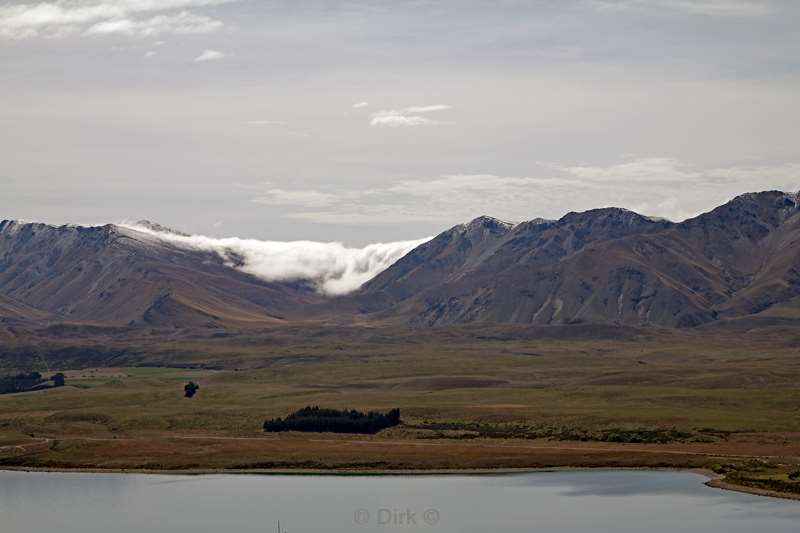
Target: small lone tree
<point x="59" y="380"/>
<point x="190" y="389"/>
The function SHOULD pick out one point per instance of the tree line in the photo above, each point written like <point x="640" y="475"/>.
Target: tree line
<point x="29" y="381"/>
<point x="321" y="420"/>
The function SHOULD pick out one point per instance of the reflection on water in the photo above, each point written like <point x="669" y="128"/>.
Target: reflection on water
<point x="559" y="502"/>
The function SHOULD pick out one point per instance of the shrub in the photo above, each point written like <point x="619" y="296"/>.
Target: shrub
<point x="718" y="469"/>
<point x="190" y="389"/>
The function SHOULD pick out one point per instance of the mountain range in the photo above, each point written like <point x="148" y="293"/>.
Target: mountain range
<point x="605" y="266"/>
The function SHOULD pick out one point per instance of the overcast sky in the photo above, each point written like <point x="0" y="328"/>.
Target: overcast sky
<point x="387" y="120"/>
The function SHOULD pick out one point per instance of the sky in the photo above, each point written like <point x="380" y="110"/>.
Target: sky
<point x="363" y="122"/>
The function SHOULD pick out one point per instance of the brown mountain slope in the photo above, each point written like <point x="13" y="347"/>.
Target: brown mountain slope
<point x="117" y="276"/>
<point x="612" y="266"/>
<point x="450" y="255"/>
<point x="16" y="310"/>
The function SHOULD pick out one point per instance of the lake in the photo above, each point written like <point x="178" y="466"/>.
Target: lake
<point x="557" y="502"/>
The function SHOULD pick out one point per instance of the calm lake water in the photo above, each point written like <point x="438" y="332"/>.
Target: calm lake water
<point x="596" y="502"/>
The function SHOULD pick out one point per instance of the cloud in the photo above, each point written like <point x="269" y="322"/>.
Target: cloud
<point x="669" y="172"/>
<point x="399" y="121"/>
<point x="425" y="109"/>
<point x="360" y="105"/>
<point x="304" y="198"/>
<point x="677" y="190"/>
<point x="408" y="117"/>
<point x="732" y="8"/>
<point x="334" y="268"/>
<point x="58" y="18"/>
<point x="411" y="110"/>
<point x="150" y="54"/>
<point x="184" y="23"/>
<point x="447" y="198"/>
<point x="486" y="185"/>
<point x="651" y="169"/>
<point x="674" y="190"/>
<point x="209" y="55"/>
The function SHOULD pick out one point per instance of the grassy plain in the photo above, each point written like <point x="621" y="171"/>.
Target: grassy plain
<point x="468" y="400"/>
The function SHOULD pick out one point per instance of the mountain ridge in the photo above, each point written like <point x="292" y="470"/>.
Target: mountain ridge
<point x="602" y="266"/>
<point x="611" y="265"/>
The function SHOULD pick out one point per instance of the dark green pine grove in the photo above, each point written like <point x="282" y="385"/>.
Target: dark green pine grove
<point x="28" y="382"/>
<point x="316" y="419"/>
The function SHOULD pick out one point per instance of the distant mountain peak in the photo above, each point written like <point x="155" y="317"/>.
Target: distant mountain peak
<point x="613" y="215"/>
<point x="769" y="200"/>
<point x="756" y="210"/>
<point x="603" y="211"/>
<point x="488" y="222"/>
<point x="768" y="194"/>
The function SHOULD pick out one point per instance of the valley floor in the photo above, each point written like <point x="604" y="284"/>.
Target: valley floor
<point x="662" y="400"/>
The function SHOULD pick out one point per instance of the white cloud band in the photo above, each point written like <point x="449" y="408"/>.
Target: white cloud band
<point x="334" y="268"/>
<point x="58" y="18"/>
<point x="676" y="191"/>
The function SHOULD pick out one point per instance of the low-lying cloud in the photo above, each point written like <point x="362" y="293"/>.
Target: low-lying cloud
<point x="334" y="268"/>
<point x="675" y="190"/>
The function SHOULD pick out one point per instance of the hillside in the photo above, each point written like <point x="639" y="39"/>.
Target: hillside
<point x="602" y="266"/>
<point x="117" y="276"/>
<point x="11" y="309"/>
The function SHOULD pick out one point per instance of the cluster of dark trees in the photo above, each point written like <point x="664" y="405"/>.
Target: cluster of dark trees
<point x="29" y="382"/>
<point x="316" y="419"/>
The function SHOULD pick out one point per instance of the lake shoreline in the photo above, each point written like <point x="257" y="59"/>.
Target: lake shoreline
<point x="720" y="483"/>
<point x="350" y="472"/>
<point x="715" y="481"/>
